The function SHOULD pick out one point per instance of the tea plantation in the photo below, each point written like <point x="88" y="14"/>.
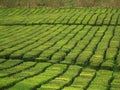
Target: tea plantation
<point x="60" y="49"/>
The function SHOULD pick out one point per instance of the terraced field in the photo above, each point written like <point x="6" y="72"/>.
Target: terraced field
<point x="60" y="49"/>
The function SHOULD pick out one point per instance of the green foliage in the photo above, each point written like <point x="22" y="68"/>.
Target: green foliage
<point x="83" y="57"/>
<point x="39" y="67"/>
<point x="108" y="64"/>
<point x="58" y="56"/>
<point x="101" y="80"/>
<point x="115" y="82"/>
<point x="87" y="74"/>
<point x="9" y="71"/>
<point x="111" y="53"/>
<point x="59" y="48"/>
<point x="51" y="72"/>
<point x="64" y="79"/>
<point x="96" y="60"/>
<point x="11" y="63"/>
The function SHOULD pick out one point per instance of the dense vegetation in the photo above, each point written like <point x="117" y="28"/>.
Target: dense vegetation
<point x="60" y="49"/>
<point x="59" y="3"/>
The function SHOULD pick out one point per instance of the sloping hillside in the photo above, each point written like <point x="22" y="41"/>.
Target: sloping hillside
<point x="60" y="49"/>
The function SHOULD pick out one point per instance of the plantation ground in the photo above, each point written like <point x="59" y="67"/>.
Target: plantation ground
<point x="60" y="49"/>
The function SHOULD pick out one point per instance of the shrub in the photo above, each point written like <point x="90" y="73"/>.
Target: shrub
<point x="111" y="53"/>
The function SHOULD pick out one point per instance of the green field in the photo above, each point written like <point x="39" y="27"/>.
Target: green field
<point x="60" y="49"/>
